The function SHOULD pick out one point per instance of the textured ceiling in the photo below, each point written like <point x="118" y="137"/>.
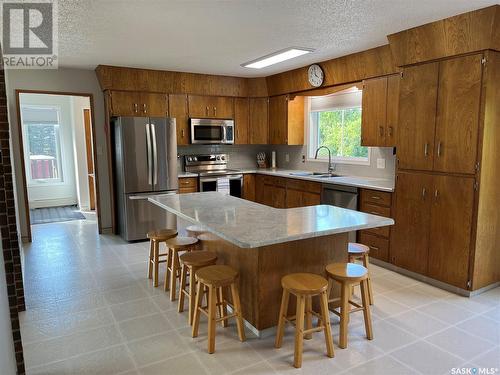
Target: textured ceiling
<point x="215" y="36"/>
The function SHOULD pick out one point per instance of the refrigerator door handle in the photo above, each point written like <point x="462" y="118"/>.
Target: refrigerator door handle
<point x="149" y="157"/>
<point x="155" y="155"/>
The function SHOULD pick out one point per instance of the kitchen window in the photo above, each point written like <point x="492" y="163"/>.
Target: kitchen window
<point x="335" y="122"/>
<point x="42" y="145"/>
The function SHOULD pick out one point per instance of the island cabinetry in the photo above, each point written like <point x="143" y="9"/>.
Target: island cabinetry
<point x="377" y="239"/>
<point x="201" y="106"/>
<point x="138" y="104"/>
<point x="188" y="185"/>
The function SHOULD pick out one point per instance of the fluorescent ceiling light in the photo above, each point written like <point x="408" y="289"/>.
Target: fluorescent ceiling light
<point x="277" y="57"/>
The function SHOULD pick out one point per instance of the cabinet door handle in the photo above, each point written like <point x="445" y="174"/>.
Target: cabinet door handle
<point x="215" y="111"/>
<point x="374" y="213"/>
<point x="182" y="133"/>
<point x="424" y="192"/>
<point x="381" y="130"/>
<point x="374" y="247"/>
<point x="436" y="194"/>
<point x="375" y="197"/>
<point x="206" y="110"/>
<point x="439" y="149"/>
<point x="389" y="131"/>
<point x="135" y="107"/>
<point x="426" y="149"/>
<point x="144" y="108"/>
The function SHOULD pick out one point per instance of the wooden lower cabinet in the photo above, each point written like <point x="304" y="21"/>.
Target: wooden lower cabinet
<point x="378" y="239"/>
<point x="379" y="246"/>
<point x="281" y="192"/>
<point x="249" y="187"/>
<point x="432" y="235"/>
<point x="188" y="185"/>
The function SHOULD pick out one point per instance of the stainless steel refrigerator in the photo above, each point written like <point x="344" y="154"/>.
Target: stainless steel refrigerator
<point x="145" y="163"/>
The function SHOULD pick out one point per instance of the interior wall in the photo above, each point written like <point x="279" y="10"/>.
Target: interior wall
<point x="7" y="353"/>
<point x="78" y="104"/>
<point x="60" y="80"/>
<point x="64" y="193"/>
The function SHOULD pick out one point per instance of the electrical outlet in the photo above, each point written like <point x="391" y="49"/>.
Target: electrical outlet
<point x="287" y="157"/>
<point x="380" y="163"/>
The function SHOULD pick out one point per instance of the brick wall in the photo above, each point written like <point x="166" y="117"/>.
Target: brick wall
<point x="8" y="230"/>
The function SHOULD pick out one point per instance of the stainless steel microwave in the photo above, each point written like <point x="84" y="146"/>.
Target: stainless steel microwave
<point x="211" y="131"/>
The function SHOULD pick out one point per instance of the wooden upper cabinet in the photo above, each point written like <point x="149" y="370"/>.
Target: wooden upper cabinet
<point x="178" y="109"/>
<point x="450" y="230"/>
<point x="392" y="116"/>
<point x="458" y="114"/>
<point x="154" y="104"/>
<point x="241" y="120"/>
<point x="374" y="112"/>
<point x="259" y="121"/>
<point x="417" y="115"/>
<point x="286" y="120"/>
<point x="211" y="107"/>
<point x="143" y="104"/>
<point x="410" y="238"/>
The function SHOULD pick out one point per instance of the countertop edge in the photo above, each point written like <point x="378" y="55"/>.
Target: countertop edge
<point x="384" y="222"/>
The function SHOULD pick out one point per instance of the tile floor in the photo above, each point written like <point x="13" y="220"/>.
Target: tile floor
<point x="91" y="310"/>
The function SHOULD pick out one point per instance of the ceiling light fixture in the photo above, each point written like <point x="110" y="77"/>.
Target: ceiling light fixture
<point x="277" y="57"/>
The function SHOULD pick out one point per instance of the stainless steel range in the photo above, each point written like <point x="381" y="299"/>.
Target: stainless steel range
<point x="214" y="174"/>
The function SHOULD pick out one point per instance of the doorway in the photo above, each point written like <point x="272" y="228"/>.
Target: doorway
<point x="58" y="147"/>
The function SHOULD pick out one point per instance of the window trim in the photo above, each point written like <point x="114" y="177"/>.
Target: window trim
<point x="311" y="136"/>
<point x="46" y="181"/>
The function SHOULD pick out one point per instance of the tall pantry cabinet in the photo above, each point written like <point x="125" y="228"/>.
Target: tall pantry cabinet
<point x="448" y="124"/>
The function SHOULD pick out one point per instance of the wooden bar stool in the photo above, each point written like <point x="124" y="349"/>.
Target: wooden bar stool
<point x="155" y="237"/>
<point x="349" y="274"/>
<point x="304" y="286"/>
<point x="194" y="230"/>
<point x="215" y="278"/>
<point x="175" y="245"/>
<point x="360" y="251"/>
<point x="190" y="263"/>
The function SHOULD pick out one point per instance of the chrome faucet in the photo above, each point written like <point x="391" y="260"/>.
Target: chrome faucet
<point x="331" y="166"/>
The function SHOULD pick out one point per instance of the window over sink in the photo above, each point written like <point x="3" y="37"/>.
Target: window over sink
<point x="335" y="122"/>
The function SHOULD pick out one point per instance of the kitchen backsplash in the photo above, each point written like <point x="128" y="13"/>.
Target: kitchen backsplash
<point x="244" y="156"/>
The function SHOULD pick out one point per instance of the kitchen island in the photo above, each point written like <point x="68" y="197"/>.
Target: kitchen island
<point x="265" y="243"/>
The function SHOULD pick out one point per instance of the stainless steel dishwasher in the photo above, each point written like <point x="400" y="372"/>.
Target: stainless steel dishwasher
<point x="341" y="196"/>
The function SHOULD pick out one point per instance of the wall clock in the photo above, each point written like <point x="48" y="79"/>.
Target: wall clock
<point x="315" y="75"/>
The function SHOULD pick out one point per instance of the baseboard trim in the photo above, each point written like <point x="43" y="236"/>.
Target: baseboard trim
<point x="484" y="289"/>
<point x="425" y="279"/>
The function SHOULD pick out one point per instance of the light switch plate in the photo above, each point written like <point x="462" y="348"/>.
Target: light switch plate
<point x="380" y="163"/>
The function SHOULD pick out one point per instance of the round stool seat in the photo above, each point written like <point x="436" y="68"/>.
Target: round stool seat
<point x="304" y="283"/>
<point x="161" y="234"/>
<point x="216" y="275"/>
<point x="346" y="272"/>
<point x="195" y="230"/>
<point x="357" y="249"/>
<point x="204" y="237"/>
<point x="198" y="258"/>
<point x="181" y="242"/>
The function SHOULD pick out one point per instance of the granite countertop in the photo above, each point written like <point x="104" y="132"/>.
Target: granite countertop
<point x="248" y="224"/>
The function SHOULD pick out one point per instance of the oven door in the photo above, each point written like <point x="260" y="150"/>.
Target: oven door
<point x="208" y="183"/>
<point x="207" y="133"/>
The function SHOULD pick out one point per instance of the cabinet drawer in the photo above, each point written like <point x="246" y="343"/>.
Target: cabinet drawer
<point x="188" y="182"/>
<point x="376" y="197"/>
<point x="379" y="247"/>
<point x="377" y="210"/>
<point x="188" y="190"/>
<point x="308" y="186"/>
<point x="275" y="181"/>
